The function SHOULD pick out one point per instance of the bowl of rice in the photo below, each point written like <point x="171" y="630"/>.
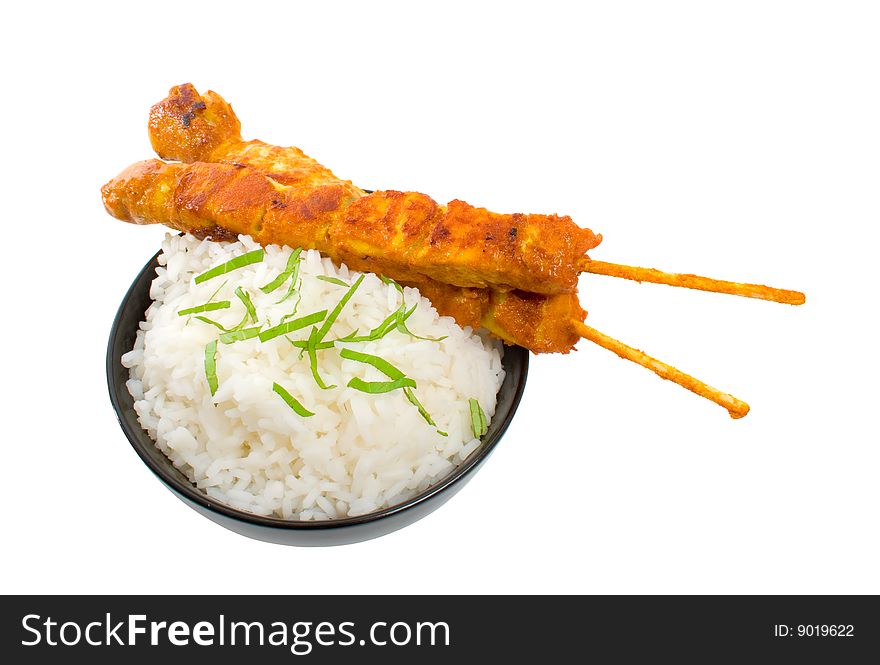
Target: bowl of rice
<point x="297" y="402"/>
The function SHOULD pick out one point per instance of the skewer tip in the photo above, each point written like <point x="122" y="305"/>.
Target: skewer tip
<point x="735" y="407"/>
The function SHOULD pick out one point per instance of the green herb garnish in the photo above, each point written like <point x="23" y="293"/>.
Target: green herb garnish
<point x="391" y="282"/>
<point x="213" y="295"/>
<point x="479" y="424"/>
<point x="211" y="366"/>
<point x="294" y="279"/>
<point x="401" y="328"/>
<point x="207" y="307"/>
<point x="238" y="262"/>
<point x="291" y="401"/>
<point x="350" y="337"/>
<point x="290" y="326"/>
<point x="381" y="364"/>
<point x="401" y="325"/>
<point x="336" y="310"/>
<point x="239" y="335"/>
<point x="333" y="280"/>
<point x="311" y="349"/>
<point x="293" y="313"/>
<point x="224" y="329"/>
<point x="317" y="335"/>
<point x="376" y="387"/>
<point x="225" y="282"/>
<point x="247" y="302"/>
<point x="292" y="289"/>
<point x="391" y="372"/>
<point x="304" y="344"/>
<point x="379" y="331"/>
<point x="205" y="319"/>
<point x="395" y="321"/>
<point x="410" y="395"/>
<point x="389" y="324"/>
<point x="292" y="266"/>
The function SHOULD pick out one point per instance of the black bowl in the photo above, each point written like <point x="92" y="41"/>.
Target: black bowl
<point x="273" y="529"/>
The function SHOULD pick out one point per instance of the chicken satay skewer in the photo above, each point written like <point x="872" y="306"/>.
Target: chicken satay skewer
<point x="692" y="282"/>
<point x="735" y="407"/>
<point x="190" y="127"/>
<point x="209" y="199"/>
<point x="455" y="243"/>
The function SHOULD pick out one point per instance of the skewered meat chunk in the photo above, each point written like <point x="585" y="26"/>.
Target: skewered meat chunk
<point x="222" y="201"/>
<point x="456" y="244"/>
<point x="515" y="275"/>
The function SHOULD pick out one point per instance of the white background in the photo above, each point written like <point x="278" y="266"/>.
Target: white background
<point x="738" y="139"/>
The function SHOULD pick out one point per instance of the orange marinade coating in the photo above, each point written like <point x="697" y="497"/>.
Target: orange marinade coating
<point x="189" y="127"/>
<point x="456" y="244"/>
<point x="542" y="324"/>
<point x="221" y="201"/>
<point x="462" y="245"/>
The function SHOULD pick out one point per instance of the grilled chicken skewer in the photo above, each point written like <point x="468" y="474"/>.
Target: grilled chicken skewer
<point x="515" y="275"/>
<point x="406" y="234"/>
<point x="189" y="127"/>
<point x="222" y="201"/>
<point x="210" y="200"/>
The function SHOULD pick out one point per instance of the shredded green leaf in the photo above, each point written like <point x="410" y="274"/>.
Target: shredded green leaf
<point x="290" y="326"/>
<point x="336" y="310"/>
<point x="238" y="262"/>
<point x="375" y="387"/>
<point x="248" y="303"/>
<point x="291" y="401"/>
<point x="205" y="319"/>
<point x="376" y="333"/>
<point x="239" y="335"/>
<point x="311" y="349"/>
<point x="333" y="280"/>
<point x="350" y="337"/>
<point x="411" y="396"/>
<point x="292" y="266"/>
<point x="207" y="307"/>
<point x="383" y="328"/>
<point x="237" y="326"/>
<point x="211" y="365"/>
<point x="294" y="280"/>
<point x="225" y="282"/>
<point x="395" y="321"/>
<point x="304" y="344"/>
<point x="479" y="424"/>
<point x="293" y="313"/>
<point x="401" y="327"/>
<point x="241" y="324"/>
<point x="292" y="289"/>
<point x="388" y="280"/>
<point x="213" y="295"/>
<point x="317" y="335"/>
<point x="381" y="364"/>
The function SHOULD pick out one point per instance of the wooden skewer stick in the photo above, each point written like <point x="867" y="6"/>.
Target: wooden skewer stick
<point x="692" y="282"/>
<point x="737" y="408"/>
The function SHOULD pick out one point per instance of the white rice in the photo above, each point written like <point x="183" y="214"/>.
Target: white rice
<point x="245" y="446"/>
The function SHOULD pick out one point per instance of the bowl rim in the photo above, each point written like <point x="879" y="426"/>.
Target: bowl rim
<point x="189" y="491"/>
